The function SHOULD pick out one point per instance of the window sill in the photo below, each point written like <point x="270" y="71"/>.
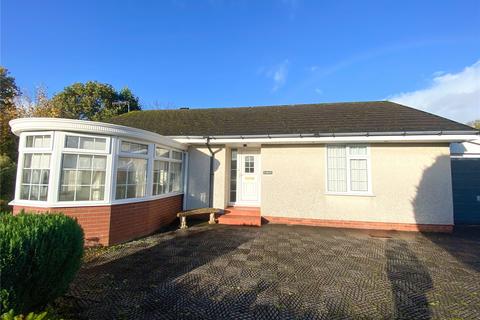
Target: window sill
<point x="356" y="194"/>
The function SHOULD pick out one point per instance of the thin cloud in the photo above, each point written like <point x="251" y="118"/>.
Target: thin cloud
<point x="451" y="95"/>
<point x="278" y="74"/>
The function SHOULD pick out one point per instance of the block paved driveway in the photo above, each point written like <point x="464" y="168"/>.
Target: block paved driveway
<point x="284" y="272"/>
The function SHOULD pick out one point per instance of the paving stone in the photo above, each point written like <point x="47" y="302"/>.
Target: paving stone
<point x="284" y="272"/>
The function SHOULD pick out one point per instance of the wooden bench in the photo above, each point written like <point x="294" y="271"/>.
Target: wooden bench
<point x="197" y="212"/>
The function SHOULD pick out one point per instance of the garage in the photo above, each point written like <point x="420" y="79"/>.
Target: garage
<point x="466" y="182"/>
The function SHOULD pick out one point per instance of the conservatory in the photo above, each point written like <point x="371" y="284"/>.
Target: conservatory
<point x="99" y="173"/>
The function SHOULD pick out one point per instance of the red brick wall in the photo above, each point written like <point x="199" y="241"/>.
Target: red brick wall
<point x="133" y="220"/>
<point x="361" y="224"/>
<point x="95" y="221"/>
<point x="108" y="225"/>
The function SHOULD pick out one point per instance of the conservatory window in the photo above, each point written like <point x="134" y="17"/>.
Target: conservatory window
<point x="175" y="176"/>
<point x="160" y="177"/>
<point x="82" y="177"/>
<point x="35" y="176"/>
<point x="162" y="152"/>
<point x="38" y="141"/>
<point x="85" y="143"/>
<point x="131" y="178"/>
<point x="167" y="171"/>
<point x="132" y="147"/>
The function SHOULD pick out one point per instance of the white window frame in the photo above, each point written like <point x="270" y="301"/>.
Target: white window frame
<point x="169" y="160"/>
<point x="86" y="151"/>
<point x="349" y="157"/>
<point x="60" y="150"/>
<point x="112" y="152"/>
<point x="147" y="156"/>
<point x="22" y="150"/>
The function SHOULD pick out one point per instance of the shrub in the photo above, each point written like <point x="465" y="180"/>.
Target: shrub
<point x="8" y="170"/>
<point x="31" y="316"/>
<point x="39" y="257"/>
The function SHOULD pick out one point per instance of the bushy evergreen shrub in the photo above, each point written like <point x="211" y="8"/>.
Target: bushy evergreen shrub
<point x="39" y="257"/>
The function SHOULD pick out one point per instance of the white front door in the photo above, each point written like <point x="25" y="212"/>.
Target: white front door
<point x="248" y="177"/>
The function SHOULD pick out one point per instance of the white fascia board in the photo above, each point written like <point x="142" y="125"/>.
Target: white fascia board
<point x="445" y="138"/>
<point x="91" y="127"/>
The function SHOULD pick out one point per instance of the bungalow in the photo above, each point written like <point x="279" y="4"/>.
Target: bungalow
<point x="376" y="165"/>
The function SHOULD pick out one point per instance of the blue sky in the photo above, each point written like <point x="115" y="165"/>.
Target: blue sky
<point x="235" y="53"/>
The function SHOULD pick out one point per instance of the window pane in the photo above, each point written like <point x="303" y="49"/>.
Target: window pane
<point x="233" y="176"/>
<point x="99" y="163"/>
<point x="358" y="175"/>
<point x="44" y="176"/>
<point x="161" y="152"/>
<point x="68" y="177"/>
<point x="43" y="193"/>
<point x="26" y="176"/>
<point x="34" y="192"/>
<point x="358" y="150"/>
<point x="82" y="193"/>
<point x="98" y="178"/>
<point x="100" y="143"/>
<point x="121" y="177"/>
<point x="36" y="160"/>
<point x="249" y="165"/>
<point x="71" y="142"/>
<point x="160" y="177"/>
<point x="175" y="176"/>
<point x="36" y="176"/>
<point x="69" y="161"/>
<point x="336" y="169"/>
<point x="85" y="162"/>
<point x="24" y="191"/>
<point x="46" y="141"/>
<point x="97" y="193"/>
<point x="78" y="177"/>
<point x="85" y="177"/>
<point x="176" y="155"/>
<point x="27" y="163"/>
<point x="135" y="171"/>
<point x="132" y="147"/>
<point x="67" y="193"/>
<point x="38" y="142"/>
<point x="29" y="142"/>
<point x="87" y="143"/>
<point x="120" y="192"/>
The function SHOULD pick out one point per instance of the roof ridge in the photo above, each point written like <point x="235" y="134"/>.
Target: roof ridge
<point x="275" y="106"/>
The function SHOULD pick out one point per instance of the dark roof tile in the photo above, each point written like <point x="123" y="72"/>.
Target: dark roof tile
<point x="349" y="117"/>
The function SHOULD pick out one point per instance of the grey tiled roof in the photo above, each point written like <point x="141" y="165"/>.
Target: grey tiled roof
<point x="323" y="118"/>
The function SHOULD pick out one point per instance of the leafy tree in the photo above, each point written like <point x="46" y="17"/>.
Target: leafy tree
<point x="8" y="92"/>
<point x="94" y="101"/>
<point x="475" y="124"/>
<point x="42" y="106"/>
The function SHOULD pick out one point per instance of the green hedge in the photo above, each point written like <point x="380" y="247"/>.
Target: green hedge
<point x="39" y="257"/>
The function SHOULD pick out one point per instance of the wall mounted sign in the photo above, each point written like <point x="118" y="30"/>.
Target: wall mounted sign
<point x="268" y="172"/>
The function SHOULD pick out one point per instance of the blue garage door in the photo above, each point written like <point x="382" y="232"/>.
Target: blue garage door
<point x="466" y="190"/>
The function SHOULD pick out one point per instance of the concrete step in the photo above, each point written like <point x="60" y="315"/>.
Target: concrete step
<point x="240" y="220"/>
<point x="243" y="211"/>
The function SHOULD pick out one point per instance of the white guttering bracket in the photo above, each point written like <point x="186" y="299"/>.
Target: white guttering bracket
<point x="92" y="127"/>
